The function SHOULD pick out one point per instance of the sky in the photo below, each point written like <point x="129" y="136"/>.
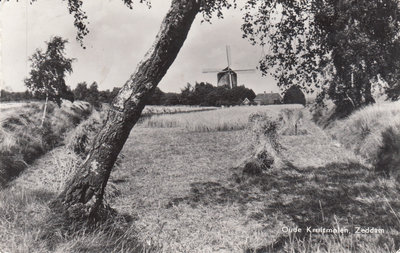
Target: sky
<point x="118" y="40"/>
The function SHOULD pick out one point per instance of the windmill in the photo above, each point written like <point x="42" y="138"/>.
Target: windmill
<point x="227" y="76"/>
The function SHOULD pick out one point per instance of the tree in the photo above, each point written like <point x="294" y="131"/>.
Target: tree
<point x="93" y="96"/>
<point x="105" y="96"/>
<point x="200" y="93"/>
<point x="81" y="91"/>
<point x="339" y="46"/>
<point x="187" y="95"/>
<point x="205" y="94"/>
<point x="48" y="72"/>
<point x="82" y="197"/>
<point x="241" y="92"/>
<point x="294" y="95"/>
<point x="170" y="98"/>
<point x="156" y="98"/>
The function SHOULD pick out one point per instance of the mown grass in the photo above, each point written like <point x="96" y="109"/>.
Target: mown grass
<point x="179" y="190"/>
<point x="23" y="139"/>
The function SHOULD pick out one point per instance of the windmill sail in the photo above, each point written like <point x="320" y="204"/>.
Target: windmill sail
<point x="228" y="56"/>
<point x="211" y="70"/>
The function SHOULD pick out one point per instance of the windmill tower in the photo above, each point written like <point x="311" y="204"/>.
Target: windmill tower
<point x="227" y="76"/>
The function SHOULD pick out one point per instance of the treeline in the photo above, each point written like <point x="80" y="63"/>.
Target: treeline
<point x="203" y="94"/>
<point x="8" y="96"/>
<point x="206" y="94"/>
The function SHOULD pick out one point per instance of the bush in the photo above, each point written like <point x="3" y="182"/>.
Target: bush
<point x="388" y="160"/>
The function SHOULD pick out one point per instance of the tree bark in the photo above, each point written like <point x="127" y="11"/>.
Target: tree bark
<point x="86" y="188"/>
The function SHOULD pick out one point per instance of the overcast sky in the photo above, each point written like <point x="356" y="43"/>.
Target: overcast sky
<point x="118" y="39"/>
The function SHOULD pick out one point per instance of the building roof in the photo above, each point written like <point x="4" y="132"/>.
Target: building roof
<point x="268" y="98"/>
<point x="246" y="101"/>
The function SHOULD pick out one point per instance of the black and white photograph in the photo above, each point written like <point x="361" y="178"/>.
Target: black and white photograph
<point x="200" y="126"/>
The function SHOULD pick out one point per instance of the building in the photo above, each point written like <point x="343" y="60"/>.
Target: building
<point x="268" y="98"/>
<point x="227" y="77"/>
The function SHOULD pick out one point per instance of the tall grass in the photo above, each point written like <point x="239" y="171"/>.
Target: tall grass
<point x="22" y="138"/>
<point x="362" y="131"/>
<point x="224" y="119"/>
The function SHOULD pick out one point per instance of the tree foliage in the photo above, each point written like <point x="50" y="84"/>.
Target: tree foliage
<point x="338" y="46"/>
<point x="49" y="68"/>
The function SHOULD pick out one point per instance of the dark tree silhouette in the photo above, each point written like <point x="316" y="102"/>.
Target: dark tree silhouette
<point x="81" y="91"/>
<point x="294" y="95"/>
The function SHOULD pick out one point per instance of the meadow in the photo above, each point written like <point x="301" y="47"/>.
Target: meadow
<point x="240" y="179"/>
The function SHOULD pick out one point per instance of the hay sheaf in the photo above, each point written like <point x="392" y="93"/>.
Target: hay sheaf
<point x="265" y="146"/>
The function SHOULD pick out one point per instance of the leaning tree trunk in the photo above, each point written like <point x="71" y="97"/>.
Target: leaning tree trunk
<point x="84" y="192"/>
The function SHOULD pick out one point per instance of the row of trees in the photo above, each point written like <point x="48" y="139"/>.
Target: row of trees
<point x="203" y="94"/>
<point x="6" y="96"/>
<point x="92" y="94"/>
<point x="208" y="95"/>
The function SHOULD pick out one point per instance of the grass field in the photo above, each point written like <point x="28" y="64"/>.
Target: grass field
<point x="225" y="119"/>
<point x="182" y="188"/>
